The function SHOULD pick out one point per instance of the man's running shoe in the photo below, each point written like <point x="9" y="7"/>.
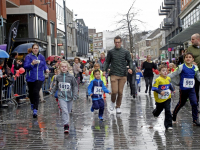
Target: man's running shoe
<point x="118" y="111"/>
<point x="66" y="128"/>
<point x="112" y="106"/>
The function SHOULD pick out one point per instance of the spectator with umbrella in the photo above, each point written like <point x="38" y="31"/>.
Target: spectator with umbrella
<point x="36" y="66"/>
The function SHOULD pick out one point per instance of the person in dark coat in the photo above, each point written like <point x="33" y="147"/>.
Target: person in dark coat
<point x="147" y="67"/>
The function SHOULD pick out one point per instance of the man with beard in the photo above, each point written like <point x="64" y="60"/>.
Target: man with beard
<point x="195" y="50"/>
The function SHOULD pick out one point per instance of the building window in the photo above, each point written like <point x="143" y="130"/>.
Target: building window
<point x="99" y="34"/>
<point x="23" y="24"/>
<point x="53" y="50"/>
<point x="52" y="32"/>
<point x="95" y="35"/>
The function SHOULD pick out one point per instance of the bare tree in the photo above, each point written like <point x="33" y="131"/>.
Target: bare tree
<point x="128" y="25"/>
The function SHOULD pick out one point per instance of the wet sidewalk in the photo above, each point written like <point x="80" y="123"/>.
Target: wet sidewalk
<point x="135" y="128"/>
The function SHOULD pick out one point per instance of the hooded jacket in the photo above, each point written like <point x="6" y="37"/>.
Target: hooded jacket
<point x="67" y="87"/>
<point x="35" y="72"/>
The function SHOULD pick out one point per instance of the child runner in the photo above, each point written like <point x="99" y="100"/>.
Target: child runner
<point x="187" y="72"/>
<point x="71" y="70"/>
<point x="95" y="91"/>
<point x="86" y="80"/>
<point x="103" y="78"/>
<point x="67" y="88"/>
<point x="172" y="67"/>
<point x="162" y="93"/>
<point x="138" y="76"/>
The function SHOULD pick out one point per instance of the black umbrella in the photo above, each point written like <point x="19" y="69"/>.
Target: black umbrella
<point x="23" y="48"/>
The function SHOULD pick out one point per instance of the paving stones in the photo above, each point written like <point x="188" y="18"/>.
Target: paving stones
<point x="134" y="129"/>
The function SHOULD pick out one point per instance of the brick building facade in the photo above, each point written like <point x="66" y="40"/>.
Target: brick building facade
<point x="37" y="22"/>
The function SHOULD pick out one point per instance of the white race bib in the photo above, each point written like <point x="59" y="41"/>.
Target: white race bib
<point x="188" y="82"/>
<point x="137" y="77"/>
<point x="166" y="95"/>
<point x="98" y="90"/>
<point x="63" y="86"/>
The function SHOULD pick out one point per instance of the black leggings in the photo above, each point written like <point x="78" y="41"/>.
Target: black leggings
<point x="148" y="82"/>
<point x="34" y="89"/>
<point x="132" y="82"/>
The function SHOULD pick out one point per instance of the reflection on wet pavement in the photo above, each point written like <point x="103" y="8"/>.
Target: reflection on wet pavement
<point x="135" y="128"/>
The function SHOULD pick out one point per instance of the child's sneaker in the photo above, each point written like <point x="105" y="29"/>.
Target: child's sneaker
<point x="101" y="118"/>
<point x="92" y="109"/>
<point x="169" y="128"/>
<point x="196" y="123"/>
<point x="66" y="128"/>
<point x="35" y="113"/>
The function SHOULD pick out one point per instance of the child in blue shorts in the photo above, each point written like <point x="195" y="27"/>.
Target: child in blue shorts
<point x="95" y="90"/>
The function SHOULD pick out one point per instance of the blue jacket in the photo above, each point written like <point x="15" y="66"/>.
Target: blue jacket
<point x="96" y="87"/>
<point x="35" y="72"/>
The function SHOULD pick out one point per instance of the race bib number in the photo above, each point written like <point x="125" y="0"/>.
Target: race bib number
<point x="63" y="86"/>
<point x="98" y="90"/>
<point x="166" y="95"/>
<point x="188" y="83"/>
<point x="137" y="77"/>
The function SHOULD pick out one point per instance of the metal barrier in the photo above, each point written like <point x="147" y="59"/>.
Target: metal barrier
<point x="12" y="88"/>
<point x="16" y="89"/>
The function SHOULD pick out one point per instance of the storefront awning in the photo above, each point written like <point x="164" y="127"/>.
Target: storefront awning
<point x="186" y="34"/>
<point x="170" y="45"/>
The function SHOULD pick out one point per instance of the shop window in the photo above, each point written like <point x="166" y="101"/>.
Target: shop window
<point x="23" y="24"/>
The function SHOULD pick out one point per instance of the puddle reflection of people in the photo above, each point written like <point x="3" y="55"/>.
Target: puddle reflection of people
<point x="99" y="131"/>
<point x="120" y="140"/>
<point x="187" y="133"/>
<point x="162" y="140"/>
<point x="69" y="140"/>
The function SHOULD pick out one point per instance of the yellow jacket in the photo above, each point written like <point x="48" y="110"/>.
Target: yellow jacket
<point x="103" y="78"/>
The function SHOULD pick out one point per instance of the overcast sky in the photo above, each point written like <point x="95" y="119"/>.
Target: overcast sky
<point x="102" y="14"/>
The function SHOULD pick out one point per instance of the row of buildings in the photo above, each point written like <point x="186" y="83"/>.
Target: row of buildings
<point x="182" y="19"/>
<point x="54" y="27"/>
<point x="49" y="23"/>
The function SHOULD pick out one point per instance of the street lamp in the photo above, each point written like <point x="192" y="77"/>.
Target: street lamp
<point x="65" y="22"/>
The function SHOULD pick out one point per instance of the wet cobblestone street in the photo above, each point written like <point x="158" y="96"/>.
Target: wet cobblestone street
<point x="135" y="128"/>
